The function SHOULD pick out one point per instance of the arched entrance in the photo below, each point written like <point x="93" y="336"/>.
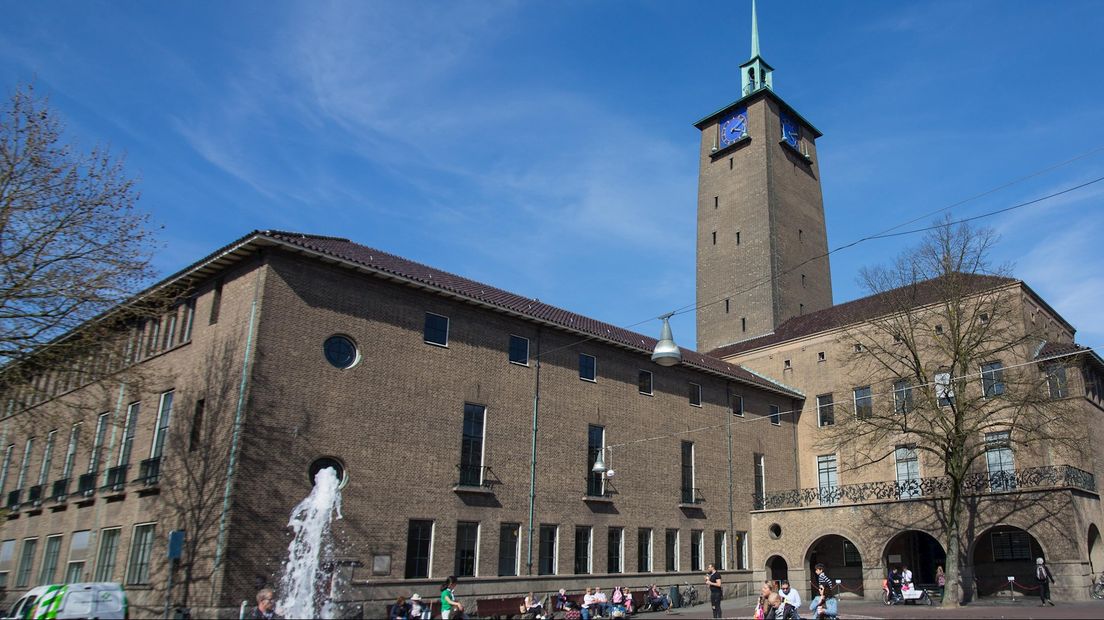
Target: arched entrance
<point x="1000" y="552"/>
<point x="1096" y="550"/>
<point x="920" y="551"/>
<point x="777" y="568"/>
<point x="841" y="560"/>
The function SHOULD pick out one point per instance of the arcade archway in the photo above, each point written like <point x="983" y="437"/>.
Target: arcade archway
<point x="920" y="551"/>
<point x="1000" y="552"/>
<point x="841" y="560"/>
<point x="777" y="568"/>
<point x="1096" y="550"/>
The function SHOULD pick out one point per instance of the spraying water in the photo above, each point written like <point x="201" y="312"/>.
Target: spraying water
<point x="310" y="521"/>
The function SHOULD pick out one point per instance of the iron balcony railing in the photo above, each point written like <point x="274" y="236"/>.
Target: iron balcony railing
<point x="149" y="471"/>
<point x="34" y="495"/>
<point x="691" y="495"/>
<point x="116" y="478"/>
<point x="86" y="484"/>
<point x="1063" y="476"/>
<point x="13" y="499"/>
<point x="60" y="491"/>
<point x="474" y="476"/>
<point x="598" y="487"/>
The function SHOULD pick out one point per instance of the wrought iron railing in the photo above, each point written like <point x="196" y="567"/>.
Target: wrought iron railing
<point x="474" y="476"/>
<point x="86" y="484"/>
<point x="1065" y="476"/>
<point x="149" y="471"/>
<point x="34" y="495"/>
<point x="13" y="499"/>
<point x="116" y="478"/>
<point x="598" y="487"/>
<point x="60" y="491"/>
<point x="691" y="495"/>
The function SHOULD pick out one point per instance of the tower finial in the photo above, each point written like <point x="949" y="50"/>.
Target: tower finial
<point x="754" y="32"/>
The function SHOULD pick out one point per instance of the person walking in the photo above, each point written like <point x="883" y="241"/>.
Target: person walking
<point x="450" y="607"/>
<point x="791" y="596"/>
<point x="716" y="592"/>
<point x="1045" y="578"/>
<point x="940" y="580"/>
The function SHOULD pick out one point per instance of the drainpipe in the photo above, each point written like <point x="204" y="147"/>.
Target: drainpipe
<point x="235" y="437"/>
<point x="533" y="462"/>
<point x="731" y="506"/>
<point x="793" y="421"/>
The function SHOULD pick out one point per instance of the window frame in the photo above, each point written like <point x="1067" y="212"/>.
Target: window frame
<point x="829" y="474"/>
<point x="775" y="415"/>
<point x="697" y="547"/>
<point x="596" y="482"/>
<point x="867" y="398"/>
<point x="466" y="439"/>
<point x="407" y="574"/>
<point x="426" y="330"/>
<point x="736" y="405"/>
<point x="588" y="556"/>
<point x="992" y="379"/>
<point x="645" y="561"/>
<point x="593" y="368"/>
<point x="474" y="550"/>
<point x="54" y="541"/>
<point x="641" y="376"/>
<point x="164" y="419"/>
<point x="135" y="559"/>
<point x="944" y="388"/>
<point x="619" y="568"/>
<point x="829" y="406"/>
<point x="100" y="554"/>
<point x="911" y="461"/>
<point x="515" y="531"/>
<point x="693" y="389"/>
<point x="903" y="402"/>
<point x="671" y="551"/>
<point x="554" y="560"/>
<point x="510" y="350"/>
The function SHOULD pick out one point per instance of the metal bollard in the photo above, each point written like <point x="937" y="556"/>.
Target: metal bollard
<point x="241" y="612"/>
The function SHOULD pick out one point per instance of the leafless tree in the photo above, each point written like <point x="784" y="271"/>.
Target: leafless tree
<point x="950" y="316"/>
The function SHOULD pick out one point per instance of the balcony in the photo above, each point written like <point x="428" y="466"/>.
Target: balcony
<point x="116" y="479"/>
<point x="149" y="472"/>
<point x="598" y="489"/>
<point x="691" y="498"/>
<point x="475" y="479"/>
<point x="981" y="483"/>
<point x="86" y="484"/>
<point x="34" y="495"/>
<point x="14" y="499"/>
<point x="60" y="491"/>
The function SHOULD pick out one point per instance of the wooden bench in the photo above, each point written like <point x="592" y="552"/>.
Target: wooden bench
<point x="499" y="607"/>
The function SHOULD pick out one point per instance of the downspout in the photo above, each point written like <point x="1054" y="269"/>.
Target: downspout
<point x="533" y="462"/>
<point x="793" y="421"/>
<point x="238" y="410"/>
<point x="731" y="505"/>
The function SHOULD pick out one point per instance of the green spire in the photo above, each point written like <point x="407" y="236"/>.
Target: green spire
<point x="754" y="32"/>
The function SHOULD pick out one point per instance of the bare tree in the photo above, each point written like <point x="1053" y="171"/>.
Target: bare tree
<point x="954" y="359"/>
<point x="72" y="243"/>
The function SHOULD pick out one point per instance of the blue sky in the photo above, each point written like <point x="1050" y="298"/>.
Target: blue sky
<point x="547" y="147"/>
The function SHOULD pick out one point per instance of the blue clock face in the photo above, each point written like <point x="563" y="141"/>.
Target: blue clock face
<point x="733" y="127"/>
<point x="791" y="132"/>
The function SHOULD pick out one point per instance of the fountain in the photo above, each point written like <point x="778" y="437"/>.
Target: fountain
<point x="300" y="596"/>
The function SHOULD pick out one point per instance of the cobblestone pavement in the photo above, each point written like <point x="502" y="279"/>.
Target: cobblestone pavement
<point x="859" y="610"/>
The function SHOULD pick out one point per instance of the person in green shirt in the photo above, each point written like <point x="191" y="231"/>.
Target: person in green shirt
<point x="450" y="607"/>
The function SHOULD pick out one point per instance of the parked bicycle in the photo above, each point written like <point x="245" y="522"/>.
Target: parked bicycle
<point x="689" y="595"/>
<point x="1098" y="586"/>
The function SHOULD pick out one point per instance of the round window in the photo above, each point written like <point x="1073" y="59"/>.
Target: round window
<point x="775" y="531"/>
<point x="341" y="351"/>
<point x="331" y="462"/>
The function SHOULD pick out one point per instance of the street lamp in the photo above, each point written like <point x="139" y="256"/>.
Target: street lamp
<point x="666" y="352"/>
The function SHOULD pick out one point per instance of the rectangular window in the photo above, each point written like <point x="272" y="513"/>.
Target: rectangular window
<point x="141" y="548"/>
<point x="78" y="555"/>
<point x="688" y="491"/>
<point x="170" y="329"/>
<point x="644" y="550"/>
<point x="826" y="410"/>
<point x="596" y="441"/>
<point x="992" y="379"/>
<point x="436" y="329"/>
<point x="419" y="549"/>
<point x="467" y="548"/>
<point x="697" y="550"/>
<point x="1056" y="381"/>
<point x="776" y="417"/>
<point x="509" y="541"/>
<point x="26" y="563"/>
<point x="7" y="558"/>
<point x="161" y="431"/>
<point x="4" y="470"/>
<point x="760" y="481"/>
<point x="615" y="549"/>
<point x="720" y="549"/>
<point x="153" y="337"/>
<point x="944" y="391"/>
<point x="519" y="350"/>
<point x="71" y="452"/>
<point x="216" y="303"/>
<point x="908" y="472"/>
<point x="902" y="396"/>
<point x="851" y="556"/>
<point x="26" y="464"/>
<point x="827" y="478"/>
<point x="999" y="461"/>
<point x="471" y="445"/>
<point x="195" y="438"/>
<point x="128" y="433"/>
<point x="672" y="557"/>
<point x="98" y="443"/>
<point x="47" y="457"/>
<point x="644" y="382"/>
<point x="49" y="560"/>
<point x="1011" y="545"/>
<point x="186" y="320"/>
<point x="582" y="549"/>
<point x="737" y="404"/>
<point x="741" y="551"/>
<point x="864" y="402"/>
<point x="588" y="367"/>
<point x="74" y="572"/>
<point x="547" y="547"/>
<point x="694" y="393"/>
<point x="105" y="558"/>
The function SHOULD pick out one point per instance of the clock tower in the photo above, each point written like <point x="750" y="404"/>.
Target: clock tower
<point x="762" y="241"/>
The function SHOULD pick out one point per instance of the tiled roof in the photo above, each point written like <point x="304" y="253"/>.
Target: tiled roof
<point x="390" y="264"/>
<point x="852" y="312"/>
<point x="1057" y="349"/>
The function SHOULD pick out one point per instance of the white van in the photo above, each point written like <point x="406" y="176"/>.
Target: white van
<point x="73" y="600"/>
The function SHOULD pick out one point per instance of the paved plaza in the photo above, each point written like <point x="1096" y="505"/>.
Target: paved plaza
<point x="1023" y="608"/>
